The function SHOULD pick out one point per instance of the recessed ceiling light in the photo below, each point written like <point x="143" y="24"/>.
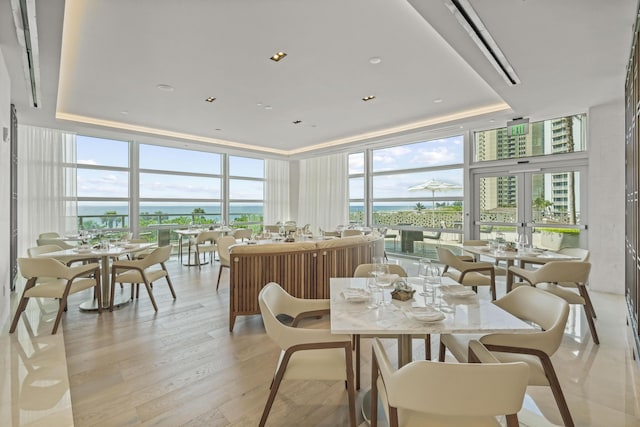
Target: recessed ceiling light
<point x="278" y="56"/>
<point x="297" y="122"/>
<point x="268" y="107"/>
<point x="492" y="121"/>
<point x="210" y="99"/>
<point x="369" y="98"/>
<point x="437" y="100"/>
<point x="165" y="87"/>
<point x="124" y="112"/>
<point x="375" y="60"/>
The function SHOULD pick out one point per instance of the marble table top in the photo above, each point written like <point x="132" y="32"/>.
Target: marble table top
<point x="462" y="314"/>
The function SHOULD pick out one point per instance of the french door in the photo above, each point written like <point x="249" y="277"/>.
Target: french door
<point x="545" y="204"/>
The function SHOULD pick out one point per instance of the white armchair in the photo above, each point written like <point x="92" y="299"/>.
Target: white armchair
<point x="306" y="354"/>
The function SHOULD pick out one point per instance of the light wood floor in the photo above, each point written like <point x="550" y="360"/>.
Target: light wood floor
<point x="181" y="366"/>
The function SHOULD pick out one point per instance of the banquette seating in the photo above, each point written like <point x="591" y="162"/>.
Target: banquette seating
<point x="303" y="269"/>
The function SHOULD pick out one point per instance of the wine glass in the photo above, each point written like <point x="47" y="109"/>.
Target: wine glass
<point x="523" y="241"/>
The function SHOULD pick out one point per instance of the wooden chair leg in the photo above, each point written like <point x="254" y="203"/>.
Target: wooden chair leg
<point x="112" y="290"/>
<point x="173" y="292"/>
<point x="427" y="347"/>
<point x="21" y="306"/>
<point x="63" y="305"/>
<point x="592" y="325"/>
<point x="275" y="384"/>
<point x="557" y="391"/>
<point x="374" y="390"/>
<point x="150" y="292"/>
<point x="356" y="339"/>
<point x="350" y="386"/>
<point x="442" y="352"/>
<point x="219" y="274"/>
<point x="512" y="420"/>
<point x="98" y="290"/>
<point x="587" y="299"/>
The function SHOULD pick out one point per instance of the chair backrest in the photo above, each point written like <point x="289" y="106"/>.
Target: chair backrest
<point x="157" y="256"/>
<point x="581" y="254"/>
<point x="364" y="270"/>
<point x="273" y="300"/>
<point x="243" y="233"/>
<point x="208" y="236"/>
<point x="44" y="249"/>
<point x="42" y="267"/>
<point x="58" y="242"/>
<point x="49" y="235"/>
<point x="537" y="306"/>
<point x="563" y="271"/>
<point x="487" y="389"/>
<point x="272" y="228"/>
<point x="446" y="257"/>
<point x="346" y="233"/>
<point x="223" y="249"/>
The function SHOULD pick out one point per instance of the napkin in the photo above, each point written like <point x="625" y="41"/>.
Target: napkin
<point x="457" y="291"/>
<point x="426" y="314"/>
<point x="355" y="294"/>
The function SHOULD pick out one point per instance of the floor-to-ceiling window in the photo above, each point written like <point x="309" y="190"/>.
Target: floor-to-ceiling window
<point x="151" y="189"/>
<point x="102" y="183"/>
<point x="246" y="192"/>
<point x="414" y="191"/>
<point x="532" y="184"/>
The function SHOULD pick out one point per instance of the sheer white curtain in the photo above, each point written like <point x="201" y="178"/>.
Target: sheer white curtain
<point x="276" y="191"/>
<point x="324" y="192"/>
<point x="46" y="184"/>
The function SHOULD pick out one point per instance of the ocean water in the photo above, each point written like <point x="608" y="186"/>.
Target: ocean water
<point x="97" y="210"/>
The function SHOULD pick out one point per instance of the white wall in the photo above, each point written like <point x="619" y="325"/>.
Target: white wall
<point x="5" y="165"/>
<point x="606" y="196"/>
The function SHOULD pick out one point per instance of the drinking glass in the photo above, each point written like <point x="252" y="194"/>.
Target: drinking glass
<point x="424" y="269"/>
<point x="523" y="241"/>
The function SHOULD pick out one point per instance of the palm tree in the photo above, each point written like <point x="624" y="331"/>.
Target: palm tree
<point x="419" y="207"/>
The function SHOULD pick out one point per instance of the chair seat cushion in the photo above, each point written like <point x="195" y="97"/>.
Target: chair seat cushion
<point x="409" y="418"/>
<point x="322" y="364"/>
<point x="134" y="276"/>
<point x="458" y="345"/>
<point x="470" y="279"/>
<point x="568" y="295"/>
<point x="55" y="288"/>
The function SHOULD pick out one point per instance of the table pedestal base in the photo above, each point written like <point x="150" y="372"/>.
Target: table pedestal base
<point x="366" y="410"/>
<point x="92" y="304"/>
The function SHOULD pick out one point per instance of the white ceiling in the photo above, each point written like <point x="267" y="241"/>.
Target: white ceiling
<point x="569" y="54"/>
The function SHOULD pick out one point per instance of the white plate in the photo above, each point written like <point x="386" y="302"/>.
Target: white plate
<point x="425" y="314"/>
<point x="356" y="295"/>
<point x="83" y="250"/>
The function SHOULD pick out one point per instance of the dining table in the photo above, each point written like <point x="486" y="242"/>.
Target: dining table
<point x="521" y="257"/>
<point x="105" y="254"/>
<point x="459" y="314"/>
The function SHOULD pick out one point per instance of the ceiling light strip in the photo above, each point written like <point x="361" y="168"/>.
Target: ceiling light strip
<point x="407" y="127"/>
<point x="471" y="22"/>
<point x="166" y="133"/>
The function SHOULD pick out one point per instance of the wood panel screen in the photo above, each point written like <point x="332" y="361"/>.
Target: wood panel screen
<point x="632" y="184"/>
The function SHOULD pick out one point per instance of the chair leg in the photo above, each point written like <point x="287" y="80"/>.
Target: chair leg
<point x="350" y="386"/>
<point x="98" y="290"/>
<point x="512" y="420"/>
<point x="587" y="299"/>
<point x="63" y="305"/>
<point x="19" y="310"/>
<point x="275" y="384"/>
<point x="220" y="274"/>
<point x="374" y="390"/>
<point x="427" y="347"/>
<point x="356" y="339"/>
<point x="592" y="325"/>
<point x="150" y="292"/>
<point x="113" y="290"/>
<point x="441" y="353"/>
<point x="556" y="390"/>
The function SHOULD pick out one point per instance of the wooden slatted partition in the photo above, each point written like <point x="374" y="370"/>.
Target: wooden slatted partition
<point x="303" y="269"/>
